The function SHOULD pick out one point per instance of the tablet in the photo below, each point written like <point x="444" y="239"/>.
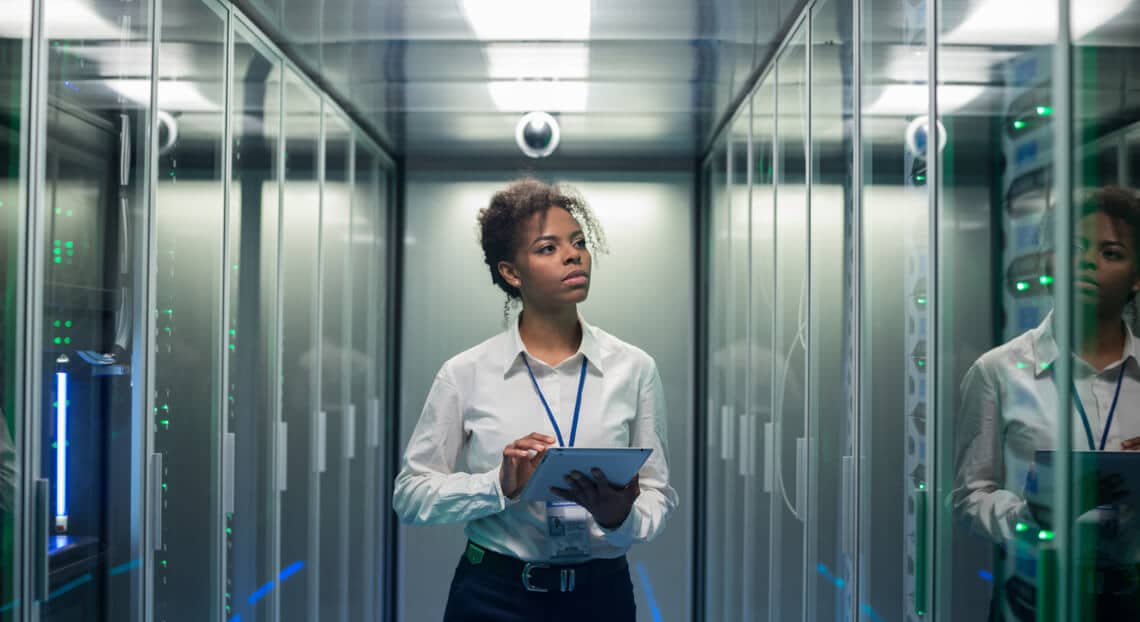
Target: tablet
<point x="618" y="464"/>
<point x="1089" y="467"/>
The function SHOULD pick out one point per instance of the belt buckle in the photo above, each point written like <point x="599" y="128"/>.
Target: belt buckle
<point x="530" y="566"/>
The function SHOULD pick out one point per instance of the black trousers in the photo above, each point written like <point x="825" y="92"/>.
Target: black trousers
<point x="478" y="595"/>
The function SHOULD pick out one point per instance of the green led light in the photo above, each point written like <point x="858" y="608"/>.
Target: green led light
<point x="921" y="300"/>
<point x="67" y="323"/>
<point x="59" y="259"/>
<point x="58" y="242"/>
<point x="1019" y="124"/>
<point x="1046" y="279"/>
<point x="229" y="530"/>
<point x="1020" y="527"/>
<point x="164" y="563"/>
<point x="920" y="177"/>
<point x="233" y="347"/>
<point x="233" y="332"/>
<point x="1045" y="535"/>
<point x="235" y="266"/>
<point x="67" y="339"/>
<point x="57" y="251"/>
<point x="70" y="253"/>
<point x="54" y="445"/>
<point x="70" y="244"/>
<point x="166" y="407"/>
<point x="165" y="422"/>
<point x="70" y="212"/>
<point x="1044" y="111"/>
<point x="1022" y="286"/>
<point x="1020" y="365"/>
<point x="922" y="362"/>
<point x="164" y="485"/>
<point x="922" y="485"/>
<point x="1045" y="365"/>
<point x="55" y="324"/>
<point x="58" y="341"/>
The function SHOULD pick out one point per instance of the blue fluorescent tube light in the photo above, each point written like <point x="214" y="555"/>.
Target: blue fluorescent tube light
<point x="61" y="450"/>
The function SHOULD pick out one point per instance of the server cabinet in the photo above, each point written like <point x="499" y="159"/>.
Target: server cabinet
<point x="87" y="290"/>
<point x="337" y="440"/>
<point x="249" y="444"/>
<point x="300" y="466"/>
<point x="187" y="375"/>
<point x="14" y="126"/>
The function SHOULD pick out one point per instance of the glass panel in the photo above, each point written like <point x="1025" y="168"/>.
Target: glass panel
<point x="994" y="287"/>
<point x="336" y="331"/>
<point x="188" y="338"/>
<point x="14" y="34"/>
<point x="734" y="358"/>
<point x="830" y="560"/>
<point x="364" y="529"/>
<point x="252" y="384"/>
<point x="301" y="224"/>
<point x="789" y="510"/>
<point x="717" y="575"/>
<point x="893" y="385"/>
<point x="1105" y="216"/>
<point x="758" y="570"/>
<point x="378" y="352"/>
<point x="91" y="392"/>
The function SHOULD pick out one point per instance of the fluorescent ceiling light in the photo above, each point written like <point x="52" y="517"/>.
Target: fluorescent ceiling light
<point x="558" y="61"/>
<point x="913" y="99"/>
<point x="529" y="20"/>
<point x="544" y="95"/>
<point x="1030" y="22"/>
<point x="173" y="96"/>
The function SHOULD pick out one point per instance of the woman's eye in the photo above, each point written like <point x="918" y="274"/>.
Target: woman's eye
<point x="546" y="249"/>
<point x="1113" y="255"/>
<point x="580" y="243"/>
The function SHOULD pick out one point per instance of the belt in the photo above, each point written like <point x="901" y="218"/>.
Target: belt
<point x="540" y="576"/>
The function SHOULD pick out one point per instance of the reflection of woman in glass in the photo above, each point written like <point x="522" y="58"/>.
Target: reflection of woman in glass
<point x="494" y="409"/>
<point x="1009" y="399"/>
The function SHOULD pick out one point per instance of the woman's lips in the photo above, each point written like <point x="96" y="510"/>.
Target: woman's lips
<point x="576" y="280"/>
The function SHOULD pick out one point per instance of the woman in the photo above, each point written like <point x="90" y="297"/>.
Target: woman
<point x="548" y="380"/>
<point x="1009" y="396"/>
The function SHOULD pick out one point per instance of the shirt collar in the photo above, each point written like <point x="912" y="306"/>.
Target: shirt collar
<point x="588" y="347"/>
<point x="1045" y="346"/>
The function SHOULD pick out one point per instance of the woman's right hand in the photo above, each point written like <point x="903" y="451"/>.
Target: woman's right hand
<point x="519" y="463"/>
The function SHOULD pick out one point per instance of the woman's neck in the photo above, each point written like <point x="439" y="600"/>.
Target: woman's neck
<point x="550" y="332"/>
<point x="1100" y="342"/>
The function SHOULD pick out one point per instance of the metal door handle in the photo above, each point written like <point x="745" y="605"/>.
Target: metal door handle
<point x="41" y="490"/>
<point x="156" y="500"/>
<point x="769" y="455"/>
<point x="373" y="423"/>
<point x="320" y="445"/>
<point x="282" y="456"/>
<point x="228" y="442"/>
<point x="920" y="517"/>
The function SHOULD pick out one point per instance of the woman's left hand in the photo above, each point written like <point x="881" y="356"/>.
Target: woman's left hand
<point x="609" y="504"/>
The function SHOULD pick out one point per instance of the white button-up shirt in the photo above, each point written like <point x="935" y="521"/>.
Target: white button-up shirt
<point x="1009" y="411"/>
<point x="483" y="399"/>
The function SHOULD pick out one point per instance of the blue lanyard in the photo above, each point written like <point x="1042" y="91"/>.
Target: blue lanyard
<point x="577" y="404"/>
<point x="1111" y="411"/>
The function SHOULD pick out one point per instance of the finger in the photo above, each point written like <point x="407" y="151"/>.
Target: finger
<point x="525" y="443"/>
<point x="565" y="494"/>
<point x="549" y="440"/>
<point x="587" y="485"/>
<point x="600" y="478"/>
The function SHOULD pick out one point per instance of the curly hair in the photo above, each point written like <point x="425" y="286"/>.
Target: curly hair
<point x="500" y="223"/>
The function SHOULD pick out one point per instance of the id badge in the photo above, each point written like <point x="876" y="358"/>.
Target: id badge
<point x="567" y="531"/>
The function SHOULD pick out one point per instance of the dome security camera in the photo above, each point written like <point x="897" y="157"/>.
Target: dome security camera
<point x="537" y="134"/>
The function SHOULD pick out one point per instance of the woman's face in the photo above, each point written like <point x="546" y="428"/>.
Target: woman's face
<point x="552" y="265"/>
<point x="1106" y="270"/>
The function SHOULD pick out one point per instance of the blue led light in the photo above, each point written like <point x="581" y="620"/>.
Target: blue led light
<point x="61" y="445"/>
<point x="291" y="570"/>
<point x="262" y="591"/>
<point x="985" y="574"/>
<point x="644" y="575"/>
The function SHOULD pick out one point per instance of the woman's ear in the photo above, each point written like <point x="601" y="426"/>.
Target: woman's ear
<point x="510" y="274"/>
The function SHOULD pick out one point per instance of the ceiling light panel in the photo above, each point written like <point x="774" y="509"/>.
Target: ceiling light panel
<point x="528" y="20"/>
<point x="565" y="61"/>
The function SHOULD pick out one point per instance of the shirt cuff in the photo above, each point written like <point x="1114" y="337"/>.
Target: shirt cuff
<point x="622" y="535"/>
<point x="494" y="487"/>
